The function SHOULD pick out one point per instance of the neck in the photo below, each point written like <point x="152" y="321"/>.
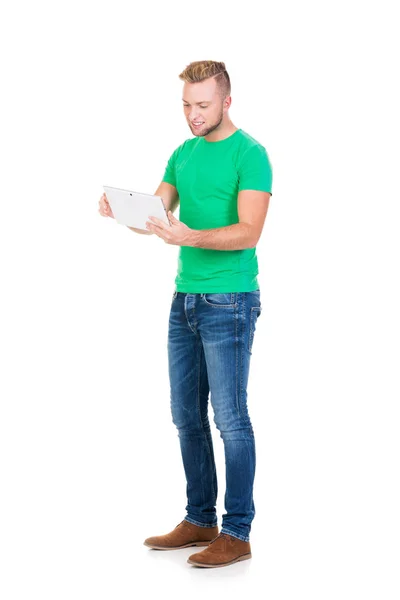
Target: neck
<point x="221" y="132"/>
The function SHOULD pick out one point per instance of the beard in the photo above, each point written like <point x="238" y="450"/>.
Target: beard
<point x="209" y="128"/>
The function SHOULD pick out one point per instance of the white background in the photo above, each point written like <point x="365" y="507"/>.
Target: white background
<point x="90" y="458"/>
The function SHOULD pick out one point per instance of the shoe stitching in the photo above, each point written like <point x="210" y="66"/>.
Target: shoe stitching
<point x="220" y="535"/>
<point x="229" y="561"/>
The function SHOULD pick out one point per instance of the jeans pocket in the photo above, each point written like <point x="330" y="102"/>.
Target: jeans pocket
<point x="174" y="295"/>
<point x="225" y="300"/>
<point x="254" y="314"/>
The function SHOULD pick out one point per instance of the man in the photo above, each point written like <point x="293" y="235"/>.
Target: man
<point x="222" y="179"/>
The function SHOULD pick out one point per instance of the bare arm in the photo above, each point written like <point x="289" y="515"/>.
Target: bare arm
<point x="252" y="211"/>
<point x="170" y="197"/>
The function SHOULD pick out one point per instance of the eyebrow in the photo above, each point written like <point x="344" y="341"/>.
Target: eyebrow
<point x="202" y="102"/>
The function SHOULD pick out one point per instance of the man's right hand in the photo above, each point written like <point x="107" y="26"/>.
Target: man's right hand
<point x="105" y="208"/>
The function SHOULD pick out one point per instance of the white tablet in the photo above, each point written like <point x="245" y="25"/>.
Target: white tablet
<point x="134" y="209"/>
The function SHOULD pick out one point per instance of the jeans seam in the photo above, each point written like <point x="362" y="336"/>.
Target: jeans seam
<point x="251" y="332"/>
<point x="186" y="315"/>
<point x="198" y="404"/>
<point x="198" y="401"/>
<point x="241" y="345"/>
<point x="237" y="342"/>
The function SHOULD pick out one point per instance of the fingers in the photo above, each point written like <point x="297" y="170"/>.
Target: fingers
<point x="104" y="207"/>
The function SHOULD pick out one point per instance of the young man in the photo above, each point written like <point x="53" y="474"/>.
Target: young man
<point x="222" y="179"/>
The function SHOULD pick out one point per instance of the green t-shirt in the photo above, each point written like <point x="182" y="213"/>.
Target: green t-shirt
<point x="208" y="177"/>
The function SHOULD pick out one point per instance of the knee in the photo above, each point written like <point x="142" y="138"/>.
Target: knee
<point x="185" y="420"/>
<point x="233" y="425"/>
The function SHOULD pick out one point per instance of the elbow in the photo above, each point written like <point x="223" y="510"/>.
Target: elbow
<point x="253" y="235"/>
<point x="253" y="241"/>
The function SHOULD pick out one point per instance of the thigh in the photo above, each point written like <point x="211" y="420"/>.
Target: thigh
<point x="189" y="388"/>
<point x="226" y="323"/>
<point x="226" y="320"/>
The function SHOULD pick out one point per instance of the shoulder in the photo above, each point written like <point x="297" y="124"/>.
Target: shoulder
<point x="186" y="146"/>
<point x="250" y="149"/>
<point x="247" y="142"/>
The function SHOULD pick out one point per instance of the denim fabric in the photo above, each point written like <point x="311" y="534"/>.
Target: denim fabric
<point x="210" y="338"/>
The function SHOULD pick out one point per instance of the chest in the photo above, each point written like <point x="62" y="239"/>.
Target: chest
<point x="205" y="176"/>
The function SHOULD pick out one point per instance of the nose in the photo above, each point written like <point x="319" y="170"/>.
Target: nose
<point x="194" y="117"/>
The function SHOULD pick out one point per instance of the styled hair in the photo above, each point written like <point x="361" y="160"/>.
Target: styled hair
<point x="203" y="69"/>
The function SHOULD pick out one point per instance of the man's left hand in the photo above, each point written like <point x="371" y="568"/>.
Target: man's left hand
<point x="177" y="233"/>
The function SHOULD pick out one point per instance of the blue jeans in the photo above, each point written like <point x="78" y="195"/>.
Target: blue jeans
<point x="210" y="340"/>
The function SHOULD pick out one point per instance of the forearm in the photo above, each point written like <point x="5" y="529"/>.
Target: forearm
<point x="232" y="237"/>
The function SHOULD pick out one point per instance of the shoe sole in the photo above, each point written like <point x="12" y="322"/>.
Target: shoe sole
<point x="231" y="562"/>
<point x="176" y="547"/>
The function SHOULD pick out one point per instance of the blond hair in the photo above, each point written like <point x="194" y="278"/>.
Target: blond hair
<point x="203" y="69"/>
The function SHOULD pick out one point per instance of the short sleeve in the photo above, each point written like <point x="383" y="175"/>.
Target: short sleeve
<point x="255" y="170"/>
<point x="169" y="173"/>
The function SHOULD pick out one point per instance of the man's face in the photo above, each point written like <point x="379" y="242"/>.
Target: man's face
<point x="202" y="104"/>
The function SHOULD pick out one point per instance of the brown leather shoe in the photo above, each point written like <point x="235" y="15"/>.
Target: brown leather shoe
<point x="185" y="534"/>
<point x="224" y="550"/>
